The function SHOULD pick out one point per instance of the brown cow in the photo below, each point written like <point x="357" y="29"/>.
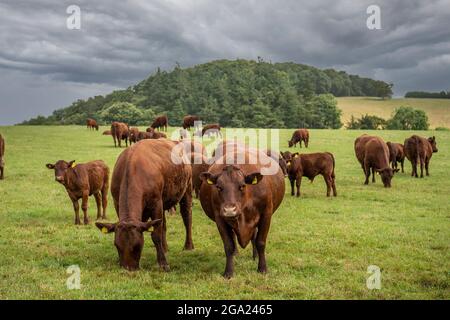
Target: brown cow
<point x="418" y="149"/>
<point x="299" y="136"/>
<point x="211" y="129"/>
<point x="396" y="154"/>
<point x="119" y="131"/>
<point x="2" y="154"/>
<point x="152" y="134"/>
<point x="146" y="182"/>
<point x="189" y="121"/>
<point x="133" y="132"/>
<point x="279" y="158"/>
<point x="199" y="164"/>
<point x="107" y="133"/>
<point x="82" y="181"/>
<point x="311" y="165"/>
<point x="241" y="201"/>
<point x="373" y="153"/>
<point x="91" y="124"/>
<point x="160" y="123"/>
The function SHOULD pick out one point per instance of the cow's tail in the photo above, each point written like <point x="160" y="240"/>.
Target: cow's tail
<point x="334" y="164"/>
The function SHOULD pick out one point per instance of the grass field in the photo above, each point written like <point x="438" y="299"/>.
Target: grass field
<point x="317" y="248"/>
<point x="438" y="110"/>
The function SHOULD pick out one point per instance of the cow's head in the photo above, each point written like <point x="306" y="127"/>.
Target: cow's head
<point x="232" y="186"/>
<point x="432" y="141"/>
<point x="61" y="168"/>
<point x="283" y="165"/>
<point x="386" y="176"/>
<point x="129" y="240"/>
<point x="290" y="143"/>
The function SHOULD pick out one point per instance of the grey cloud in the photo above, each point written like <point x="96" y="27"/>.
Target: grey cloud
<point x="120" y="43"/>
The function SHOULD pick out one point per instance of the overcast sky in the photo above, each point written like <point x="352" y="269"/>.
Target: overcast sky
<point x="45" y="66"/>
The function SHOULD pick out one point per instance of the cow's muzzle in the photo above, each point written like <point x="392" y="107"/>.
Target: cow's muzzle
<point x="230" y="211"/>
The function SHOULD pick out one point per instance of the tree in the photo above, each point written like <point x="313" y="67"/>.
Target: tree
<point x="407" y="118"/>
<point x="123" y="112"/>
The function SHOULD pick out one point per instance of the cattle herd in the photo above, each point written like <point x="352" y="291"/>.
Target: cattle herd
<point x="238" y="197"/>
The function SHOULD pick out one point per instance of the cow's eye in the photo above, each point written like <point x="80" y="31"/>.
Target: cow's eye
<point x="219" y="188"/>
<point x="242" y="187"/>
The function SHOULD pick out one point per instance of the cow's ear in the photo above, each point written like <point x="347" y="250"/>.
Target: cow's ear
<point x="50" y="166"/>
<point x="106" y="227"/>
<point x="296" y="155"/>
<point x="146" y="226"/>
<point x="396" y="170"/>
<point x="208" y="177"/>
<point x="72" y="164"/>
<point x="253" y="178"/>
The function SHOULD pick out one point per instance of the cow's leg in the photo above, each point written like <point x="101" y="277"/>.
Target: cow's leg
<point x="104" y="200"/>
<point x="164" y="238"/>
<point x="292" y="185"/>
<point x="186" y="214"/>
<point x="1" y="173"/>
<point x="158" y="234"/>
<point x="427" y="162"/>
<point x="421" y="167"/>
<point x="300" y="143"/>
<point x="76" y="208"/>
<point x="115" y="143"/>
<point x="373" y="175"/>
<point x="98" y="199"/>
<point x="226" y="233"/>
<point x="255" y="251"/>
<point x="236" y="251"/>
<point x="84" y="207"/>
<point x="261" y="237"/>
<point x="328" y="183"/>
<point x="413" y="168"/>
<point x="366" y="173"/>
<point x="403" y="165"/>
<point x="298" y="183"/>
<point x="333" y="185"/>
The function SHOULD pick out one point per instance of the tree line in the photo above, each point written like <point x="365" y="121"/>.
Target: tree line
<point x="429" y="95"/>
<point x="238" y="93"/>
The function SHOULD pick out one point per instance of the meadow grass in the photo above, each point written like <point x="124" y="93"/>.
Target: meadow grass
<point x="318" y="247"/>
<point x="438" y="110"/>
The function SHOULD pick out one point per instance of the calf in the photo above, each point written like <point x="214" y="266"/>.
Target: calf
<point x="91" y="124"/>
<point x="2" y="154"/>
<point x="134" y="132"/>
<point x="211" y="129"/>
<point x="119" y="131"/>
<point x="152" y="134"/>
<point x="145" y="183"/>
<point x="81" y="181"/>
<point x="418" y="149"/>
<point x="160" y="122"/>
<point x="396" y="154"/>
<point x="299" y="136"/>
<point x="107" y="133"/>
<point x="373" y="154"/>
<point x="189" y="121"/>
<point x="241" y="201"/>
<point x="311" y="165"/>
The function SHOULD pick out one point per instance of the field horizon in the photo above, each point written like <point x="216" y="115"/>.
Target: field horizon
<point x="317" y="248"/>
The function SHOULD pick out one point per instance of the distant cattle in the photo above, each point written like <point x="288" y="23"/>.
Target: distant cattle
<point x="373" y="154"/>
<point x="298" y="136"/>
<point x="91" y="124"/>
<point x="2" y="154"/>
<point x="396" y="154"/>
<point x="210" y="129"/>
<point x="420" y="150"/>
<point x="144" y="184"/>
<point x="81" y="181"/>
<point x="311" y="165"/>
<point x="133" y="132"/>
<point x="189" y="121"/>
<point x="241" y="201"/>
<point x="160" y="123"/>
<point x="152" y="134"/>
<point x="107" y="133"/>
<point x="119" y="131"/>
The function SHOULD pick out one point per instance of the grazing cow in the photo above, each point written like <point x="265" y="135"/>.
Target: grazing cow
<point x="299" y="136"/>
<point x="189" y="121"/>
<point x="278" y="158"/>
<point x="81" y="181"/>
<point x="396" y="154"/>
<point x="91" y="124"/>
<point x="145" y="183"/>
<point x="119" y="131"/>
<point x="143" y="135"/>
<point x="373" y="154"/>
<point x="211" y="129"/>
<point x="418" y="149"/>
<point x="133" y="132"/>
<point x="241" y="201"/>
<point x="107" y="133"/>
<point x="160" y="123"/>
<point x="311" y="165"/>
<point x="152" y="134"/>
<point x="199" y="164"/>
<point x="2" y="154"/>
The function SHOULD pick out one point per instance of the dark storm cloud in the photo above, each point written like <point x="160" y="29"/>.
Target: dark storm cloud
<point x="45" y="65"/>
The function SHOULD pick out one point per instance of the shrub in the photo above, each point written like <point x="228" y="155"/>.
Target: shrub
<point x="407" y="118"/>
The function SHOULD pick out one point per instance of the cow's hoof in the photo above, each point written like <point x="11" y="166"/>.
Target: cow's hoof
<point x="165" y="268"/>
<point x="262" y="270"/>
<point x="189" y="247"/>
<point x="228" y="275"/>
